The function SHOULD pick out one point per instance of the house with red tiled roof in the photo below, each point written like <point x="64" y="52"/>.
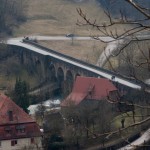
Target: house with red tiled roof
<point x="87" y="106"/>
<point x="93" y="89"/>
<point x="17" y="129"/>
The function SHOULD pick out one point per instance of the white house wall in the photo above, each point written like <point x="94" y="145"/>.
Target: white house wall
<point x="22" y="144"/>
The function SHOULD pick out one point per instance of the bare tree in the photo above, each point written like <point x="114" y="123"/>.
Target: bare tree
<point x="137" y="25"/>
<point x="86" y="120"/>
<point x="133" y="33"/>
<point x="11" y="11"/>
<point x="133" y="62"/>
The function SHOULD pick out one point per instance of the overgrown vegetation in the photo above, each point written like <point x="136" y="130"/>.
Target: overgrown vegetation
<point x="135" y="64"/>
<point x="11" y="14"/>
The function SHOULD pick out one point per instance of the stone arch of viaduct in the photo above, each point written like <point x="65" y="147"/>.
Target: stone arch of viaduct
<point x="64" y="71"/>
<point x="59" y="70"/>
<point x="65" y="74"/>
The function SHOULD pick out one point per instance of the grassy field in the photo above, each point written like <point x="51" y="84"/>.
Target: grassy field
<point x="116" y="122"/>
<point x="87" y="51"/>
<point x="58" y="17"/>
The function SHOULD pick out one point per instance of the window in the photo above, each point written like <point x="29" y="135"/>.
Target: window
<point x="10" y="115"/>
<point x="13" y="142"/>
<point x="20" y="129"/>
<point x="8" y="129"/>
<point x="32" y="140"/>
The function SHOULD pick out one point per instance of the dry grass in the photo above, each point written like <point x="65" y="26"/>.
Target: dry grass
<point x="58" y="17"/>
<point x="88" y="51"/>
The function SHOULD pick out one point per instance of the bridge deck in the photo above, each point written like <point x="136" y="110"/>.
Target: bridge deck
<point x="89" y="67"/>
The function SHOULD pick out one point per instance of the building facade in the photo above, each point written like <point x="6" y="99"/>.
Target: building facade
<point x="18" y="131"/>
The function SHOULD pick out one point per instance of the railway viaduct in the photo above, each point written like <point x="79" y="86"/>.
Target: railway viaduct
<point x="65" y="68"/>
<point x="59" y="70"/>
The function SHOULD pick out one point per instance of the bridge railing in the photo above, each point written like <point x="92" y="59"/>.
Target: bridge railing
<point x="84" y="63"/>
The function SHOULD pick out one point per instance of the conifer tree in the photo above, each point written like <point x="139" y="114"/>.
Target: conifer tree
<point x="21" y="96"/>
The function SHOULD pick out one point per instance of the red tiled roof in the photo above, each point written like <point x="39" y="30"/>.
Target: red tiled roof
<point x="89" y="88"/>
<point x="19" y="116"/>
<point x="21" y="120"/>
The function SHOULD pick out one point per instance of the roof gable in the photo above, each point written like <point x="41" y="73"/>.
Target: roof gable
<point x="18" y="115"/>
<point x="89" y="88"/>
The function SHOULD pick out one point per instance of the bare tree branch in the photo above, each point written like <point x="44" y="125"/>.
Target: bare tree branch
<point x="138" y="7"/>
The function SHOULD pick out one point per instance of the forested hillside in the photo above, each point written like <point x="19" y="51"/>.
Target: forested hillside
<point x="11" y="14"/>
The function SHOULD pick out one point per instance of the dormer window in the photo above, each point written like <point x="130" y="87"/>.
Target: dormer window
<point x="10" y="115"/>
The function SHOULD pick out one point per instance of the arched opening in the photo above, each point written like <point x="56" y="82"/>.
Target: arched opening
<point x="68" y="84"/>
<point x="60" y="81"/>
<point x="52" y="72"/>
<point x="60" y="76"/>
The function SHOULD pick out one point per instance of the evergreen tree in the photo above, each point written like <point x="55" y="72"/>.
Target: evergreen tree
<point x="21" y="96"/>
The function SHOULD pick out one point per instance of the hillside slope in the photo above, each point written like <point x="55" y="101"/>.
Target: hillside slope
<point x="58" y="17"/>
